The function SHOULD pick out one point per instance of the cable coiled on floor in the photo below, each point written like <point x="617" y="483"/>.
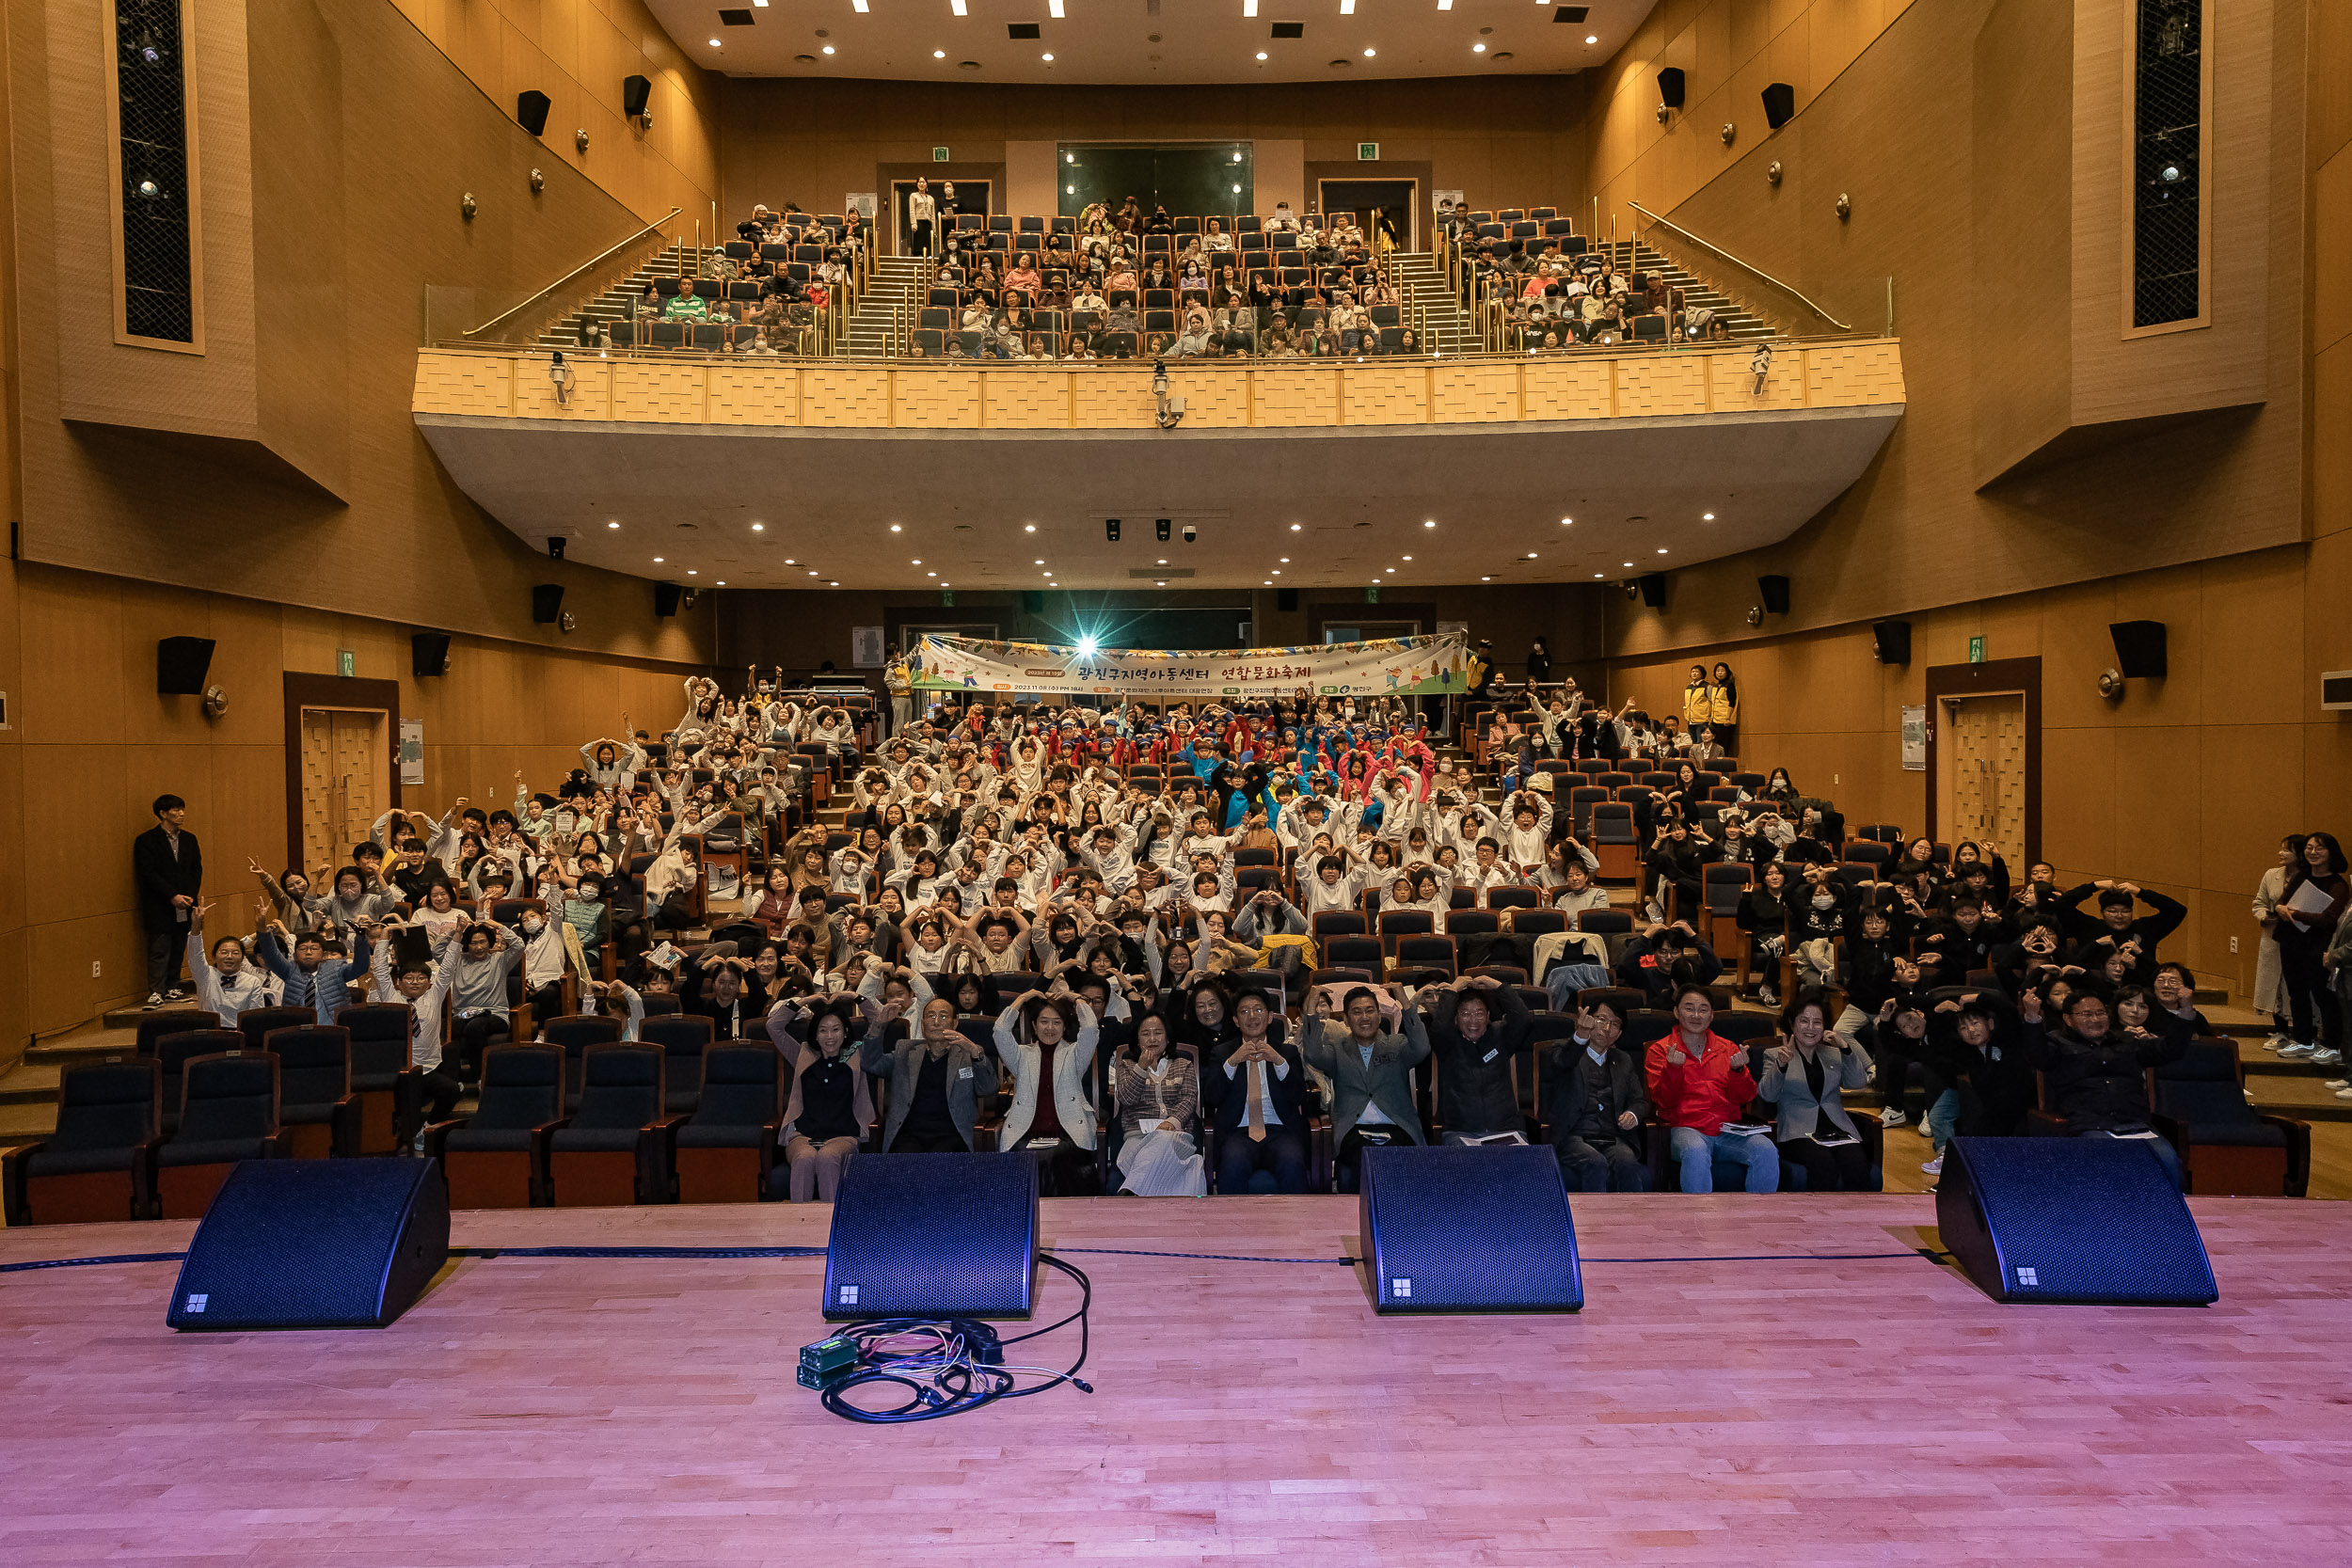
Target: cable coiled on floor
<point x="948" y="1366"/>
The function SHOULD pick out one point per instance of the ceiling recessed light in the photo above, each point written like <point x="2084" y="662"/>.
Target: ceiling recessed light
<point x="722" y="582"/>
<point x="1040" y="560"/>
<point x="759" y="527"/>
<point x="1293" y="528"/>
<point x="1047" y="58"/>
<point x="827" y="50"/>
<point x="1278" y="572"/>
<point x="612" y="525"/>
<point x="690" y="572"/>
<point x="1029" y="528"/>
<point x="1589" y="38"/>
<point x="1600" y="574"/>
<point x="1628" y="563"/>
<point x="930" y="573"/>
<point x="714" y="44"/>
<point x="1565" y="521"/>
<point x="916" y="561"/>
<point x="1286" y="561"/>
<point x="1390" y="570"/>
<point x="789" y="562"/>
<point x="1478" y="49"/>
<point x="1164" y="560"/>
<point x="1370" y="53"/>
<point x="1347" y="8"/>
<point x="1707" y="517"/>
<point x="1485" y="579"/>
<point x="1249" y="8"/>
<point x="958" y="7"/>
<point x="1406" y="558"/>
<point x="657" y="561"/>
<point x="1530" y="555"/>
<point x="814" y="574"/>
<point x="1049" y="574"/>
<point x="833" y="585"/>
<point x="1053" y="8"/>
<point x="1662" y="550"/>
<point x="939" y="54"/>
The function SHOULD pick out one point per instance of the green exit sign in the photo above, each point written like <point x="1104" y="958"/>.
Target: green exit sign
<point x="1372" y="596"/>
<point x="1367" y="151"/>
<point x="347" y="663"/>
<point x="939" y="154"/>
<point x="948" y="598"/>
<point x="1976" y="650"/>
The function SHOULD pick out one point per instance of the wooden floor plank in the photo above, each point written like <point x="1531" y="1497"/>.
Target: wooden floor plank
<point x="1803" y="1410"/>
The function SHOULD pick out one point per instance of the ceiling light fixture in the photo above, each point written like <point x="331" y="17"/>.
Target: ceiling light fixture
<point x="690" y="572"/>
<point x="1029" y="528"/>
<point x="1600" y="574"/>
<point x="1047" y="58"/>
<point x="1261" y="55"/>
<point x="1370" y="53"/>
<point x="789" y="562"/>
<point x="1565" y="521"/>
<point x="1478" y="49"/>
<point x="1707" y="516"/>
<point x="939" y="54"/>
<point x="714" y="44"/>
<point x="858" y="6"/>
<point x="1040" y="560"/>
<point x="916" y="561"/>
<point x="1293" y="528"/>
<point x="1347" y="8"/>
<point x="616" y="525"/>
<point x="1589" y="38"/>
<point x="759" y="527"/>
<point x="1278" y="572"/>
<point x="828" y="49"/>
<point x="1431" y="523"/>
<point x="1249" y="8"/>
<point x="1662" y="550"/>
<point x="657" y="561"/>
<point x="893" y="528"/>
<point x="958" y="7"/>
<point x="1053" y="8"/>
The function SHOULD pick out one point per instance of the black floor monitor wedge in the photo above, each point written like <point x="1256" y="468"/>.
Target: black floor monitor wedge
<point x="314" y="1243"/>
<point x="1469" y="1229"/>
<point x="2095" y="1220"/>
<point x="933" y="1236"/>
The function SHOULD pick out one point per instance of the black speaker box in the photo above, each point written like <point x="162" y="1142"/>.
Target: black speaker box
<point x="1780" y="103"/>
<point x="428" y="653"/>
<point x="666" y="597"/>
<point x="530" y="111"/>
<point x="2071" y="1220"/>
<point x="1654" y="590"/>
<point x="1460" y="1230"/>
<point x="1286" y="599"/>
<point x="934" y="1236"/>
<point x="636" y="93"/>
<point x="1894" y="640"/>
<point x="1670" y="87"/>
<point x="1775" y="592"/>
<point x="181" y="663"/>
<point x="2139" y="648"/>
<point x="547" y="602"/>
<point x="314" y="1243"/>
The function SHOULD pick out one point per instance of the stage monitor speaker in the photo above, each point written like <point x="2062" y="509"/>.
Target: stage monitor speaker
<point x="1463" y="1230"/>
<point x="1775" y="592"/>
<point x="1286" y="599"/>
<point x="547" y="602"/>
<point x="181" y="663"/>
<point x="666" y="597"/>
<point x="2071" y="1220"/>
<point x="314" y="1243"/>
<point x="636" y="93"/>
<point x="1780" y="103"/>
<point x="1670" y="87"/>
<point x="1654" y="590"/>
<point x="530" y="111"/>
<point x="428" y="653"/>
<point x="1894" y="640"/>
<point x="935" y="1236"/>
<point x="2139" y="648"/>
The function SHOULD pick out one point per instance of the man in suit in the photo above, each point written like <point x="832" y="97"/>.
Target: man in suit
<point x="169" y="866"/>
<point x="1599" y="1104"/>
<point x="1256" y="1093"/>
<point x="1369" y="1072"/>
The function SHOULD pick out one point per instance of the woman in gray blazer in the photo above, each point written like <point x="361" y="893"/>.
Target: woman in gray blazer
<point x="938" y="1082"/>
<point x="1804" y="1076"/>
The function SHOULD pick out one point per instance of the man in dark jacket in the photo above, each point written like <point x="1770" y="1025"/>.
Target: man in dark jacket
<point x="2118" y="927"/>
<point x="1473" y="1050"/>
<point x="1659" y="958"/>
<point x="1596" y="1105"/>
<point x="2095" y="1073"/>
<point x="169" y="866"/>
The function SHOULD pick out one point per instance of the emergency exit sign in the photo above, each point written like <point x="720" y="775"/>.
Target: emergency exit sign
<point x="1976" y="650"/>
<point x="939" y="154"/>
<point x="1367" y="151"/>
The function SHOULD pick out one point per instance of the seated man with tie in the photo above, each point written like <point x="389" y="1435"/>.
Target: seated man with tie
<point x="1256" y="1092"/>
<point x="1369" y="1072"/>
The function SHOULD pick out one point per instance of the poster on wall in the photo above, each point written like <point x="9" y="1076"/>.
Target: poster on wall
<point x="1915" y="737"/>
<point x="1383" y="667"/>
<point x="863" y="203"/>
<point x="866" y="647"/>
<point x="412" y="751"/>
<point x="1443" y="199"/>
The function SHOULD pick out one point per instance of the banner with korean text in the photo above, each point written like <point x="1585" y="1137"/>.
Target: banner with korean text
<point x="1386" y="667"/>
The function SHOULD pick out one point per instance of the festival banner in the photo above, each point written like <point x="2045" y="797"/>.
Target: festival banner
<point x="1386" y="667"/>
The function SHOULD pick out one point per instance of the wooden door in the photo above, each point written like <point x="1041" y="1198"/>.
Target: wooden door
<point x="343" y="781"/>
<point x="1982" y="774"/>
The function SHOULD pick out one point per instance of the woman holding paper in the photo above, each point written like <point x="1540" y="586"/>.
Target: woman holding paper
<point x="1803" y="1079"/>
<point x="2314" y="899"/>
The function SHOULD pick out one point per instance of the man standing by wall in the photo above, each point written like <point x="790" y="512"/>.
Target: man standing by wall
<point x="169" y="866"/>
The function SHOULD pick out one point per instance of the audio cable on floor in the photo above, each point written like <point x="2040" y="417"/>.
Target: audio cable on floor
<point x="945" y="1365"/>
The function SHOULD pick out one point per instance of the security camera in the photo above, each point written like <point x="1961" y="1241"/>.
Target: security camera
<point x="555" y="547"/>
<point x="1190" y="533"/>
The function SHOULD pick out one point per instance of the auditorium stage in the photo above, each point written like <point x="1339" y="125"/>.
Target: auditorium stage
<point x="1720" y="1401"/>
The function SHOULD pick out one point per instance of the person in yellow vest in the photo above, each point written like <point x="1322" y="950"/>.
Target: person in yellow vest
<point x="1724" y="704"/>
<point x="1698" y="702"/>
<point x="899" y="682"/>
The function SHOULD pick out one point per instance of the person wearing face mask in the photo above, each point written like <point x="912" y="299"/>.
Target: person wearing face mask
<point x="2096" y="1075"/>
<point x="543" y="962"/>
<point x="831" y="1105"/>
<point x="1817" y="920"/>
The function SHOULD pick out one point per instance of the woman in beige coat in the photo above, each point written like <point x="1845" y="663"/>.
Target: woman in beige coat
<point x="2270" y="991"/>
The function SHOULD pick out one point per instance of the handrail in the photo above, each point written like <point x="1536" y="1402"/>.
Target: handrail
<point x="1747" y="266"/>
<point x="597" y="260"/>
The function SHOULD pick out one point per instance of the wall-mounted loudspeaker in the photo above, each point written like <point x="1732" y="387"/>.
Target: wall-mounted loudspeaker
<point x="428" y="653"/>
<point x="1654" y="590"/>
<point x="666" y="597"/>
<point x="1780" y="103"/>
<point x="1894" y="640"/>
<point x="1286" y="599"/>
<point x="1670" y="87"/>
<point x="530" y="111"/>
<point x="181" y="663"/>
<point x="1775" y="592"/>
<point x="2139" y="648"/>
<point x="636" y="93"/>
<point x="547" y="603"/>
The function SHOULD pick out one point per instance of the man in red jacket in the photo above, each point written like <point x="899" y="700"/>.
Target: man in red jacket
<point x="1699" y="1080"/>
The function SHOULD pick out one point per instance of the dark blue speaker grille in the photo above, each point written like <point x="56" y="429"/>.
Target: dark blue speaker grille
<point x="297" y="1243"/>
<point x="933" y="1236"/>
<point x="1470" y="1230"/>
<point x="2086" y="1219"/>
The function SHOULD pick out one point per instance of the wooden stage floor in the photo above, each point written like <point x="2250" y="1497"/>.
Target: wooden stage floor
<point x="1707" y="1408"/>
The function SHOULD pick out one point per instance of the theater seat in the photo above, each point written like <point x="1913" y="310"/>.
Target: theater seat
<point x="615" y="1148"/>
<point x="390" y="1092"/>
<point x="682" y="1038"/>
<point x="497" y="1157"/>
<point x="2227" y="1148"/>
<point x="100" y="1162"/>
<point x="574" y="1034"/>
<point x="315" y="1105"/>
<point x="727" y="1150"/>
<point x="227" y="1113"/>
<point x="173" y="1053"/>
